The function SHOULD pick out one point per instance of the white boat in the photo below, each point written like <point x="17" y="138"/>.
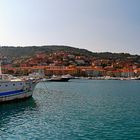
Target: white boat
<point x="15" y="89"/>
<point x="58" y="79"/>
<point x="12" y="88"/>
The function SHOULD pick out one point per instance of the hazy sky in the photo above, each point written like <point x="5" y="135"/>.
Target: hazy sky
<point x="97" y="25"/>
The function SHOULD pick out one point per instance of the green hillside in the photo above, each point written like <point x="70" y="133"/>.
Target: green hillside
<point x="17" y="52"/>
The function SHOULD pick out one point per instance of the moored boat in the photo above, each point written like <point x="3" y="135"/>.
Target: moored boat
<point x="15" y="89"/>
<point x="58" y="79"/>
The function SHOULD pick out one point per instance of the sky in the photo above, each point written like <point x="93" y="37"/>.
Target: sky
<point x="96" y="25"/>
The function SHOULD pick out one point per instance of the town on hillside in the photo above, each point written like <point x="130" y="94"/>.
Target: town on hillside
<point x="63" y="62"/>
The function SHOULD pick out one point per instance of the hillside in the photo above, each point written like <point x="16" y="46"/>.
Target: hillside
<point x="32" y="50"/>
<point x="29" y="51"/>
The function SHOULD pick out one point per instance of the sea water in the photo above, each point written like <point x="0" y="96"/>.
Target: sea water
<point x="75" y="110"/>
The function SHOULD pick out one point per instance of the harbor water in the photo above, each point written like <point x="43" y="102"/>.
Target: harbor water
<point x="75" y="110"/>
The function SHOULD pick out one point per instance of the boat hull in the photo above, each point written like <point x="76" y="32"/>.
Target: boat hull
<point x="11" y="91"/>
<point x="13" y="97"/>
<point x="58" y="79"/>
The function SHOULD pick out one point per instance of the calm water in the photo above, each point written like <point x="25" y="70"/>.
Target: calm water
<point x="75" y="110"/>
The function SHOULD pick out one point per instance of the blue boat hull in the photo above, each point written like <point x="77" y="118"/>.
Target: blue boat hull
<point x="14" y="95"/>
<point x="10" y="91"/>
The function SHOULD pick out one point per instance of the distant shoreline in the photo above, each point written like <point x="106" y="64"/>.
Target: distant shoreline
<point x="108" y="78"/>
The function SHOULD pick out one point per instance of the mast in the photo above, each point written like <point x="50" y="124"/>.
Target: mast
<point x="0" y="68"/>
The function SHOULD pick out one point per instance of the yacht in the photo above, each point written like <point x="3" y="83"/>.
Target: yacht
<point x="59" y="79"/>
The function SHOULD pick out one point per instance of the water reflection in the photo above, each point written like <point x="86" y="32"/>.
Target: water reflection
<point x="75" y="110"/>
<point x="15" y="109"/>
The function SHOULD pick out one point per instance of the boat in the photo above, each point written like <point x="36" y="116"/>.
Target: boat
<point x="12" y="88"/>
<point x="15" y="89"/>
<point x="58" y="79"/>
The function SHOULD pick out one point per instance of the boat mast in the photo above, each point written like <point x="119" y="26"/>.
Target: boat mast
<point x="0" y="67"/>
